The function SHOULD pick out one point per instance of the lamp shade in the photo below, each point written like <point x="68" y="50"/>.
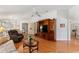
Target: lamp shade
<point x="2" y="29"/>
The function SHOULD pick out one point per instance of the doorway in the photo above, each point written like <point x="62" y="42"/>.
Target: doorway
<point x="25" y="27"/>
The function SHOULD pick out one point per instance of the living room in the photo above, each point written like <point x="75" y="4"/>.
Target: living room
<point x="50" y="26"/>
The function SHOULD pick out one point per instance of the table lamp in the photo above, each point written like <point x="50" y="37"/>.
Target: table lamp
<point x="2" y="29"/>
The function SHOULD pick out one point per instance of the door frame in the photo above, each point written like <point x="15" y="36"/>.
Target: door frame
<point x="21" y="24"/>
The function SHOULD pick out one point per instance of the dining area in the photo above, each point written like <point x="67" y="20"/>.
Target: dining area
<point x="75" y="31"/>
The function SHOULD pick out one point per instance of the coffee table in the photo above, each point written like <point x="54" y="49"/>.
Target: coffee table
<point x="32" y="44"/>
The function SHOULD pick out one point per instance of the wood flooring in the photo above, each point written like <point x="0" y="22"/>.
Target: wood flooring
<point x="46" y="46"/>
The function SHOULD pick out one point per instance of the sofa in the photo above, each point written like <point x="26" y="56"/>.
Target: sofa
<point x="8" y="47"/>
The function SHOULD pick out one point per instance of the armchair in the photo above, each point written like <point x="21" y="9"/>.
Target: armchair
<point x="15" y="36"/>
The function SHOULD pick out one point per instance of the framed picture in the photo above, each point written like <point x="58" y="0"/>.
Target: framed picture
<point x="62" y="25"/>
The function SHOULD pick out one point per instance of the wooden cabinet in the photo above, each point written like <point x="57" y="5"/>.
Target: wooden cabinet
<point x="47" y="29"/>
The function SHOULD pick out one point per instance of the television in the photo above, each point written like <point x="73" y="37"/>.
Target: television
<point x="43" y="28"/>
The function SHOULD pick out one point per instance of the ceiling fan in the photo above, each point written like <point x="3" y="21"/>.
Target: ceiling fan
<point x="36" y="13"/>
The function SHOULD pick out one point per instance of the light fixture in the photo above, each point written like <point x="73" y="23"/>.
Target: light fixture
<point x="2" y="29"/>
<point x="35" y="13"/>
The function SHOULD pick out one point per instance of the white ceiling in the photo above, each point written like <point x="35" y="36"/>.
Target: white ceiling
<point x="26" y="9"/>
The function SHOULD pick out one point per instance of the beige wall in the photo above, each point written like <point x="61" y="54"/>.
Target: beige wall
<point x="32" y="28"/>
